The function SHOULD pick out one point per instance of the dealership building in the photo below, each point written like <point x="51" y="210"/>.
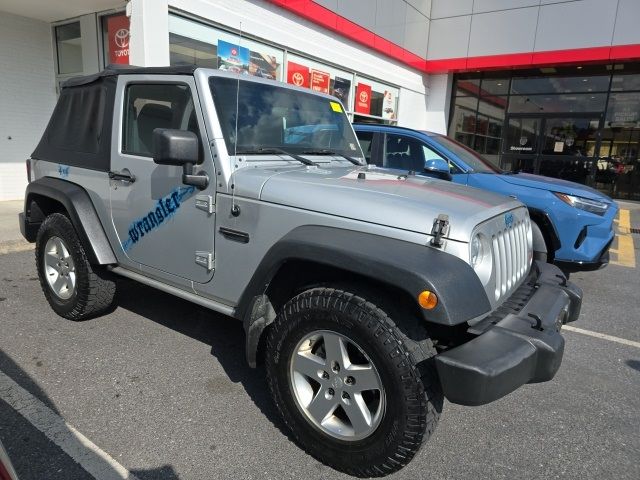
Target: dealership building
<point x="543" y="86"/>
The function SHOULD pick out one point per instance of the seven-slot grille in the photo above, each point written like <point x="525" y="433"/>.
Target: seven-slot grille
<point x="511" y="256"/>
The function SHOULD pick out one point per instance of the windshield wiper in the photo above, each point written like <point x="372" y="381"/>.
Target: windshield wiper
<point x="268" y="150"/>
<point x="323" y="151"/>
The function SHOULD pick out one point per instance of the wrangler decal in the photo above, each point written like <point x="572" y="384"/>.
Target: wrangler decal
<point x="165" y="209"/>
<point x="63" y="171"/>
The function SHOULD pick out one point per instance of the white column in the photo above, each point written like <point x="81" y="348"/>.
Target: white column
<point x="438" y="102"/>
<point x="149" y="33"/>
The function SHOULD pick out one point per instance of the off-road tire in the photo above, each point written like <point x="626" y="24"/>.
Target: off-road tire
<point x="94" y="290"/>
<point x="413" y="393"/>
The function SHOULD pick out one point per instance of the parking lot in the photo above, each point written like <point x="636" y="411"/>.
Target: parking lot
<point x="159" y="389"/>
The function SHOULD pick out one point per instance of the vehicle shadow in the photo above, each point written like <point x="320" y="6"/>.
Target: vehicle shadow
<point x="635" y="364"/>
<point x="225" y="336"/>
<point x="33" y="454"/>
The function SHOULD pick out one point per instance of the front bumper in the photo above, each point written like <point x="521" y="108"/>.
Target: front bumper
<point x="518" y="343"/>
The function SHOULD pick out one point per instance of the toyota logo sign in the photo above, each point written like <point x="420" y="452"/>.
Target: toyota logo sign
<point x="298" y="79"/>
<point x="121" y="38"/>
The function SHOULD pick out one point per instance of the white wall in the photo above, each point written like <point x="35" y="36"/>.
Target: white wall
<point x="438" y="102"/>
<point x="27" y="96"/>
<point x="271" y="23"/>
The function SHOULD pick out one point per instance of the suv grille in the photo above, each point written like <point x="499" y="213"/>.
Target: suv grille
<point x="511" y="256"/>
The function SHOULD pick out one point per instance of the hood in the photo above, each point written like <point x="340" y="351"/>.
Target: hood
<point x="554" y="185"/>
<point x="381" y="197"/>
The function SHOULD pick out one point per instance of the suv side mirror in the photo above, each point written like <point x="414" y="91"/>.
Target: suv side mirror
<point x="438" y="168"/>
<point x="179" y="148"/>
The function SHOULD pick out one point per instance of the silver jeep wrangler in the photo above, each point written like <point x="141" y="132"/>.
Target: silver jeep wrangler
<point x="369" y="295"/>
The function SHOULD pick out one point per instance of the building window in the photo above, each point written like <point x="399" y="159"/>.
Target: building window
<point x="194" y="43"/>
<point x="69" y="48"/>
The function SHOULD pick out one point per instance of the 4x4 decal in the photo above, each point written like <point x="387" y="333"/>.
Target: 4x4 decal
<point x="166" y="208"/>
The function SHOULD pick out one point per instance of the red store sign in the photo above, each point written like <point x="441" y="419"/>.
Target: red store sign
<point x="363" y="98"/>
<point x="118" y="34"/>
<point x="298" y="75"/>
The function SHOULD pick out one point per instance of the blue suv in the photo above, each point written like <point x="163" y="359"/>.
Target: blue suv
<point x="572" y="223"/>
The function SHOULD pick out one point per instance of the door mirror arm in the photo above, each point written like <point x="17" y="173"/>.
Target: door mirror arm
<point x="199" y="180"/>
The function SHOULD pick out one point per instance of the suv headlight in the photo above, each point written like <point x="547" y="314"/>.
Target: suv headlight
<point x="480" y="257"/>
<point x="592" y="206"/>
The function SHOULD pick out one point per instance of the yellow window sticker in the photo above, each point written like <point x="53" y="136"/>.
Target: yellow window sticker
<point x="336" y="107"/>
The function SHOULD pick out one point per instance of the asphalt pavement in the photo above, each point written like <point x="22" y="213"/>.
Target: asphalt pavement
<point x="160" y="387"/>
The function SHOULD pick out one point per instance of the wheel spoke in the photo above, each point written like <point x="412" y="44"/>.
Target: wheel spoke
<point x="358" y="413"/>
<point x="321" y="407"/>
<point x="336" y="350"/>
<point x="59" y="283"/>
<point x="51" y="260"/>
<point x="364" y="377"/>
<point x="308" y="364"/>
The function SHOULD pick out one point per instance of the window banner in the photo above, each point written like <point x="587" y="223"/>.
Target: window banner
<point x="389" y="106"/>
<point x="363" y="98"/>
<point x="233" y="58"/>
<point x="118" y="34"/>
<point x="298" y="75"/>
<point x="320" y="81"/>
<point x="341" y="88"/>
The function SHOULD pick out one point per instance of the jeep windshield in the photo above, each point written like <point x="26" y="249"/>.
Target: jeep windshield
<point x="271" y="118"/>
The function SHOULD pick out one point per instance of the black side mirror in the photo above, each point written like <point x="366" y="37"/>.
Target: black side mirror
<point x="438" y="168"/>
<point x="179" y="148"/>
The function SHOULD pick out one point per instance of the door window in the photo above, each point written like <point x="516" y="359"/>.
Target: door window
<point x="151" y="106"/>
<point x="366" y="143"/>
<point x="403" y="153"/>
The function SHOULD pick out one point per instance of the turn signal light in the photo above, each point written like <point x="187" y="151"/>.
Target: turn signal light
<point x="427" y="300"/>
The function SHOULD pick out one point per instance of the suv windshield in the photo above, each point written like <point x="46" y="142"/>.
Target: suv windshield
<point x="282" y="118"/>
<point x="468" y="156"/>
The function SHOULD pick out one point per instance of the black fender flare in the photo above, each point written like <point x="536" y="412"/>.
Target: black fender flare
<point x="548" y="230"/>
<point x="82" y="213"/>
<point x="405" y="265"/>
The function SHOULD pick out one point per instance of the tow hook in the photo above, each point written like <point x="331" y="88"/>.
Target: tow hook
<point x="538" y="325"/>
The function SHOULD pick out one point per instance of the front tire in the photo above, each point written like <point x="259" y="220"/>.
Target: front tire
<point x="343" y="378"/>
<point x="72" y="286"/>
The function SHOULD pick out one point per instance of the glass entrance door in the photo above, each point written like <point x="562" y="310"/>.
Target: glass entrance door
<point x="555" y="146"/>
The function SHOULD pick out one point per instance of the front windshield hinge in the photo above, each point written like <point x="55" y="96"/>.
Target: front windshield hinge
<point x="440" y="229"/>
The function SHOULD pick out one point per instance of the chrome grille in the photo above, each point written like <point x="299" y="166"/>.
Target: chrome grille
<point x="511" y="256"/>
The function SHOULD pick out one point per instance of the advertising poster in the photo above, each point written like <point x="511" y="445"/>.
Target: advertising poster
<point x="363" y="98"/>
<point x="389" y="105"/>
<point x="320" y="81"/>
<point x="118" y="33"/>
<point x="341" y="89"/>
<point x="233" y="58"/>
<point x="298" y="75"/>
<point x="262" y="65"/>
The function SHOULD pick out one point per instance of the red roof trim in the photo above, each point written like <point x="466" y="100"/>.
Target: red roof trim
<point x="332" y="21"/>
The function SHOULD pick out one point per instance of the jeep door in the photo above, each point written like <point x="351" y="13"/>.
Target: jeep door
<point x="165" y="228"/>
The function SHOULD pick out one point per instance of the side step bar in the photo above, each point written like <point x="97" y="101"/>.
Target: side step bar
<point x="192" y="297"/>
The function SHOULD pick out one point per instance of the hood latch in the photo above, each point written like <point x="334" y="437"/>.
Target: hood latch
<point x="440" y="229"/>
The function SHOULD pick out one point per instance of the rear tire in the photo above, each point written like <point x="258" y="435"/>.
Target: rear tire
<point x="399" y="399"/>
<point x="72" y="286"/>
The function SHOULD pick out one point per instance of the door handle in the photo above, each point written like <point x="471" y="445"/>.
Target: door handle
<point x="123" y="176"/>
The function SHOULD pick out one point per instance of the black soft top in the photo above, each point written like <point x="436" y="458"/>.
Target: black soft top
<point x="115" y="70"/>
<point x="79" y="131"/>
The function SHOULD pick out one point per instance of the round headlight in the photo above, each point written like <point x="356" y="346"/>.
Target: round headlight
<point x="481" y="258"/>
<point x="476" y="251"/>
